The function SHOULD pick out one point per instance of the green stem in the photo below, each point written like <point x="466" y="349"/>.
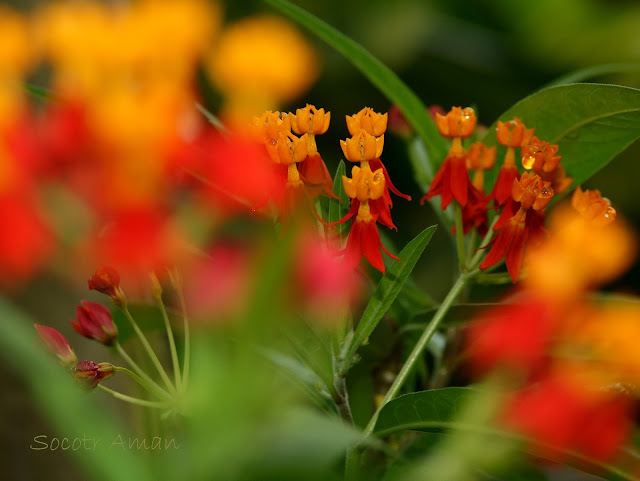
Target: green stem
<point x="352" y="465"/>
<point x="177" y="285"/>
<point x="172" y="342"/>
<point x="475" y="262"/>
<point x="150" y="351"/>
<point x="133" y="400"/>
<point x="421" y="345"/>
<point x="154" y="387"/>
<point x="462" y="261"/>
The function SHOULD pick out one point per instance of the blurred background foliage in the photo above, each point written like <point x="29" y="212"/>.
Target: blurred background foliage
<point x="483" y="53"/>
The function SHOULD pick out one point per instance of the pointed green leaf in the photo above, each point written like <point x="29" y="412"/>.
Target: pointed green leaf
<point x="380" y="75"/>
<point x="387" y="290"/>
<point x="448" y="408"/>
<point x="422" y="411"/>
<point x="594" y="71"/>
<point x="592" y="123"/>
<point x="338" y="208"/>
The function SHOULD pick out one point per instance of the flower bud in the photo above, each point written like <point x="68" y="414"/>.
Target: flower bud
<point x="105" y="280"/>
<point x="95" y="322"/>
<point x="57" y="344"/>
<point x="88" y="374"/>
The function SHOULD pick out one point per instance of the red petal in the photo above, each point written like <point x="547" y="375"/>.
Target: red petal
<point x="459" y="180"/>
<point x="315" y="175"/>
<point x="376" y="164"/>
<point x="371" y="245"/>
<point x="515" y="251"/>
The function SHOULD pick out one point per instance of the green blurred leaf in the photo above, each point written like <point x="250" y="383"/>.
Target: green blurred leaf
<point x="338" y="208"/>
<point x="380" y="75"/>
<point x="450" y="408"/>
<point x="72" y="412"/>
<point x="422" y="411"/>
<point x="592" y="123"/>
<point x="38" y="92"/>
<point x="594" y="71"/>
<point x="387" y="290"/>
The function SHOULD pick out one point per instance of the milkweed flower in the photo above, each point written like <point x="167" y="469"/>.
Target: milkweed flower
<point x="541" y="157"/>
<point x="364" y="238"/>
<point x="88" y="374"/>
<point x="512" y="134"/>
<point x="531" y="195"/>
<point x="105" y="280"/>
<point x="312" y="121"/>
<point x="260" y="62"/>
<point x="57" y="344"/>
<point x="451" y="181"/>
<point x="367" y="129"/>
<point x="94" y="321"/>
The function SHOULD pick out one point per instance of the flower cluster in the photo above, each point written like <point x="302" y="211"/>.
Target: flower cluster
<point x="368" y="188"/>
<point x="521" y="198"/>
<point x="571" y="362"/>
<point x="300" y="173"/>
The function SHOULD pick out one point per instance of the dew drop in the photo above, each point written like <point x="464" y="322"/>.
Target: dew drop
<point x="527" y="162"/>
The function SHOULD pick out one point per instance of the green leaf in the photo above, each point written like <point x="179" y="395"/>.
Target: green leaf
<point x="73" y="413"/>
<point x="452" y="408"/>
<point x="422" y="411"/>
<point x="213" y="120"/>
<point x="591" y="123"/>
<point x="380" y="75"/>
<point x="387" y="290"/>
<point x="38" y="92"/>
<point x="338" y="208"/>
<point x="594" y="71"/>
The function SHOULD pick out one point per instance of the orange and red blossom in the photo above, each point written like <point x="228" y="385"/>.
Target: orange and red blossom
<point x="479" y="159"/>
<point x="367" y="119"/>
<point x="513" y="133"/>
<point x="530" y="195"/>
<point x="314" y="172"/>
<point x="594" y="208"/>
<point x="57" y="344"/>
<point x="88" y="374"/>
<point x="450" y="182"/>
<point x="362" y="147"/>
<point x="541" y="157"/>
<point x="105" y="280"/>
<point x="364" y="238"/>
<point x="458" y="122"/>
<point x="95" y="322"/>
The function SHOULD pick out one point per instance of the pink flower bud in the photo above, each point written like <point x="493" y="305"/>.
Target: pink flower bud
<point x="57" y="344"/>
<point x="95" y="322"/>
<point x="88" y="374"/>
<point x="106" y="280"/>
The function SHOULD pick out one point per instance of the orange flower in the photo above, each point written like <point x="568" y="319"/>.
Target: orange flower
<point x="540" y="156"/>
<point x="513" y="133"/>
<point x="450" y="182"/>
<point x="458" y="122"/>
<point x="368" y="120"/>
<point x="593" y="207"/>
<point x="362" y="147"/>
<point x="530" y="195"/>
<point x="310" y="120"/>
<point x="479" y="159"/>
<point x="364" y="187"/>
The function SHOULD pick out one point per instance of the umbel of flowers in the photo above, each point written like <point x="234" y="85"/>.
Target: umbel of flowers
<point x="522" y="198"/>
<point x="300" y="172"/>
<point x="368" y="188"/>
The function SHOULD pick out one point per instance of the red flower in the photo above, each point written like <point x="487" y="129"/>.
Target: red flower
<point x="95" y="322"/>
<point x="501" y="192"/>
<point x="557" y="414"/>
<point x="105" y="280"/>
<point x="450" y="182"/>
<point x="514" y="336"/>
<point x="316" y="177"/>
<point x="364" y="240"/>
<point x="57" y="344"/>
<point x="530" y="195"/>
<point x="89" y="374"/>
<point x="474" y="213"/>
